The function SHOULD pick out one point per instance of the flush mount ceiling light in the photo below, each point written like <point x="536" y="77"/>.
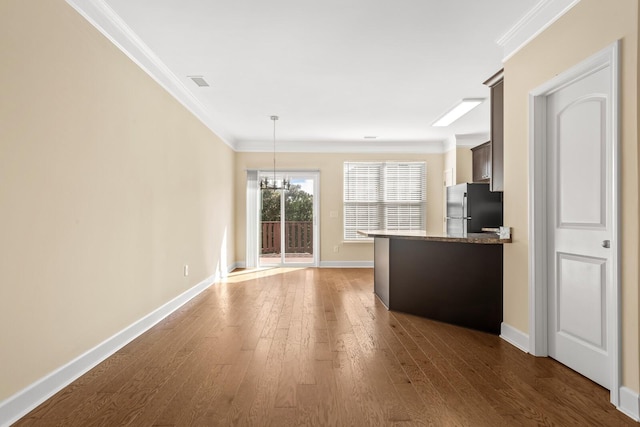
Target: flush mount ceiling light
<point x="199" y="80"/>
<point x="459" y="110"/>
<point x="276" y="184"/>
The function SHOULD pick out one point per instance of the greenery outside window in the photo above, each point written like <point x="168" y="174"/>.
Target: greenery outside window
<point x="384" y="196"/>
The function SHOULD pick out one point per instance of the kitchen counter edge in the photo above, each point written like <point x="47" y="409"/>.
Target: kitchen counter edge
<point x="478" y="238"/>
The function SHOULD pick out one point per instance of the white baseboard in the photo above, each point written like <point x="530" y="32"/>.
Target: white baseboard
<point x="514" y="337"/>
<point x="240" y="264"/>
<point x="629" y="403"/>
<point x="23" y="402"/>
<point x="346" y="264"/>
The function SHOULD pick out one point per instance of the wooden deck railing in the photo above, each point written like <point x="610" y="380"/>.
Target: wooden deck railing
<point x="298" y="237"/>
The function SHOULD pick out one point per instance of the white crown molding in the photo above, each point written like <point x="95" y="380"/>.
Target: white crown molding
<point x="409" y="147"/>
<point x="471" y="140"/>
<point x="468" y="140"/>
<point x="107" y="21"/>
<point x="538" y="19"/>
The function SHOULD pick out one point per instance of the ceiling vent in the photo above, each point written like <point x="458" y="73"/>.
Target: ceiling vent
<point x="199" y="80"/>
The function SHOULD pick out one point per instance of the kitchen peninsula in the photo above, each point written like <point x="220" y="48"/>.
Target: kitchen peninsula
<point x="450" y="278"/>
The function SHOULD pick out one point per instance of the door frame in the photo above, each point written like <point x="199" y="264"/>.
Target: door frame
<point x="538" y="334"/>
<point x="255" y="217"/>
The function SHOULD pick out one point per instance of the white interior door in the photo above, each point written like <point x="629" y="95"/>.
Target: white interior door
<point x="580" y="224"/>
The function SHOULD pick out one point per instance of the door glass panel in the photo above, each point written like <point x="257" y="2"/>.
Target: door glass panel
<point x="270" y="229"/>
<point x="298" y="221"/>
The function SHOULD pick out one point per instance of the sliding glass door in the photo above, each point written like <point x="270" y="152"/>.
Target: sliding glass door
<point x="287" y="227"/>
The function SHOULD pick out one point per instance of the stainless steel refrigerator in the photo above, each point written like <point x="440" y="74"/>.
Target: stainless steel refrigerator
<point x="470" y="207"/>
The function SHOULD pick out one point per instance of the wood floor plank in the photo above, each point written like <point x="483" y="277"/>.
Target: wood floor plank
<point x="524" y="391"/>
<point x="267" y="385"/>
<point x="461" y="379"/>
<point x="292" y="359"/>
<point x="186" y="386"/>
<point x="52" y="411"/>
<point x="308" y="337"/>
<point x="305" y="346"/>
<point x="199" y="410"/>
<point x="247" y="390"/>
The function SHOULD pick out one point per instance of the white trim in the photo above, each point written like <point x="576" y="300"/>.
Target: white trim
<point x="471" y="140"/>
<point x="236" y="265"/>
<point x="108" y="22"/>
<point x="346" y="264"/>
<point x="316" y="219"/>
<point x="21" y="403"/>
<point x="537" y="226"/>
<point x="629" y="403"/>
<point x="252" y="233"/>
<point x="608" y="57"/>
<point x="538" y="19"/>
<point x="408" y="147"/>
<point x="515" y="337"/>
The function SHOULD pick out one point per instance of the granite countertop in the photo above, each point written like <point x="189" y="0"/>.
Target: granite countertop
<point x="481" y="238"/>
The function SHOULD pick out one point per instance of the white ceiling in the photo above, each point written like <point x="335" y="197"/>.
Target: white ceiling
<point x="333" y="70"/>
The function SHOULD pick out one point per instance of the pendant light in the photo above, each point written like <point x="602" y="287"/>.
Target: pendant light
<point x="275" y="185"/>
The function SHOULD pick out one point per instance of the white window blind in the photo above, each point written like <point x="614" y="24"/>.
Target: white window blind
<point x="384" y="195"/>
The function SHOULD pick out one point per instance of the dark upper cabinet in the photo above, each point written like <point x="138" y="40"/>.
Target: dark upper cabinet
<point x="496" y="86"/>
<point x="481" y="157"/>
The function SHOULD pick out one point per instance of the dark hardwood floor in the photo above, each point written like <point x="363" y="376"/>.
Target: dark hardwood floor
<point x="315" y="347"/>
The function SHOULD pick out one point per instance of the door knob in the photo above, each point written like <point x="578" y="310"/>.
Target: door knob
<point x="606" y="243"/>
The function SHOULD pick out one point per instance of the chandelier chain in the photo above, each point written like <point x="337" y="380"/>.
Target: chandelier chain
<point x="264" y="183"/>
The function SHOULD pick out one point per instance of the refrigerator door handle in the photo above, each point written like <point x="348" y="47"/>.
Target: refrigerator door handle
<point x="465" y="214"/>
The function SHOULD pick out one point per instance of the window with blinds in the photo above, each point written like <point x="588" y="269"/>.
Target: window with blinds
<point x="384" y="196"/>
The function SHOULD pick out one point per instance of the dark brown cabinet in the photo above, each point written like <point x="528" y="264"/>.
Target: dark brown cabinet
<point x="496" y="86"/>
<point x="481" y="158"/>
<point x="424" y="278"/>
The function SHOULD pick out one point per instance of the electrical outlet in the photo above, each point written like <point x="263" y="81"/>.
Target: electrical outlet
<point x="336" y="248"/>
<point x="186" y="270"/>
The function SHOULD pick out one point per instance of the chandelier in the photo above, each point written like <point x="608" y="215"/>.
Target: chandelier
<point x="275" y="184"/>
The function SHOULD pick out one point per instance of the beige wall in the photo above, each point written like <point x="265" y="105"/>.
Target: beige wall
<point x="464" y="165"/>
<point x="108" y="186"/>
<point x="461" y="162"/>
<point x="331" y="176"/>
<point x="584" y="30"/>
